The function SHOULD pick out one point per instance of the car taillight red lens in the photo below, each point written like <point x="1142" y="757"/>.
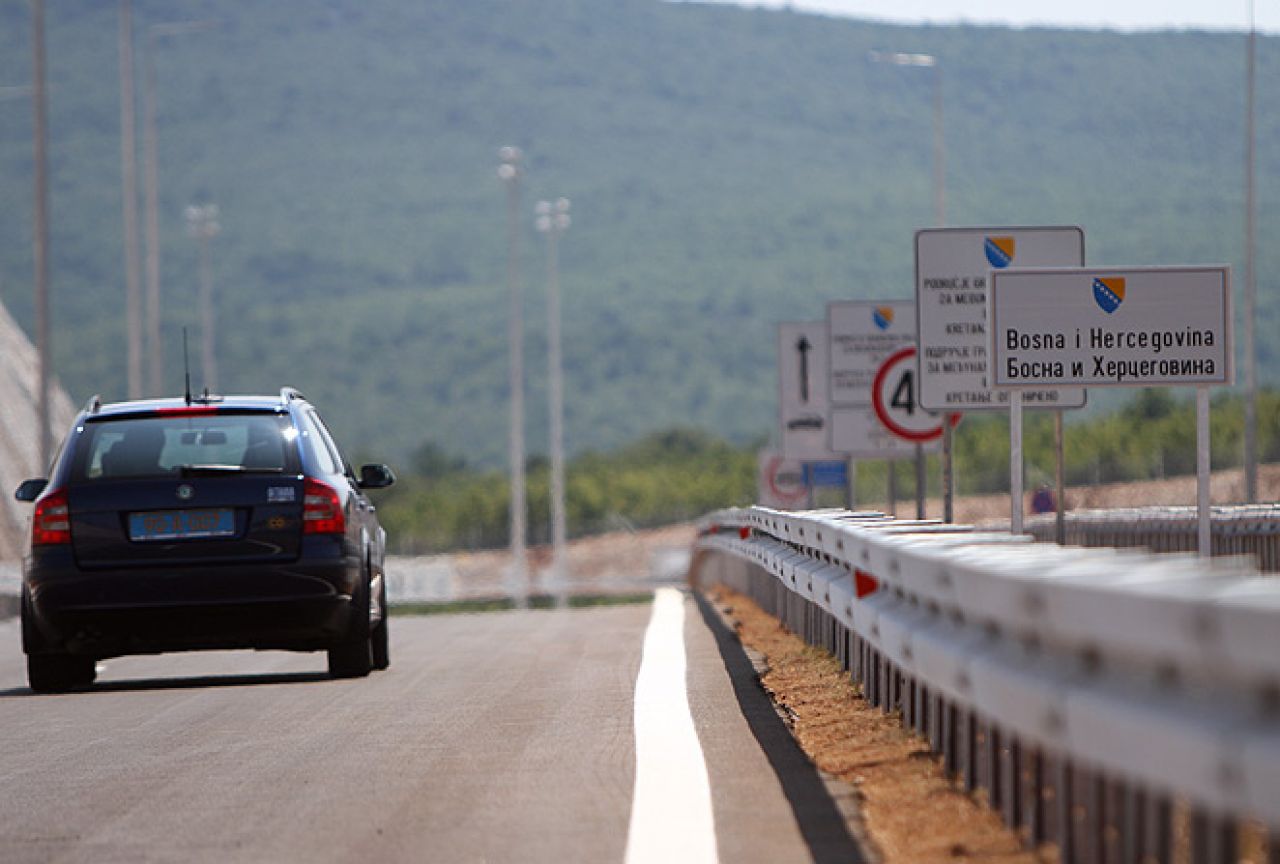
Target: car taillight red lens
<point x="51" y="522"/>
<point x="321" y="509"/>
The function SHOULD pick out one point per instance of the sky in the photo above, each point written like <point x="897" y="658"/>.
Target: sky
<point x="1108" y="14"/>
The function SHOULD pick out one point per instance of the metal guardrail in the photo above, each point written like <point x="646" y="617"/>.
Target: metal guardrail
<point x="1091" y="692"/>
<point x="1238" y="530"/>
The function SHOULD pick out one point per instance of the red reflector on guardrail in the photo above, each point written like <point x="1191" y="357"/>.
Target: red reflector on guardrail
<point x="864" y="583"/>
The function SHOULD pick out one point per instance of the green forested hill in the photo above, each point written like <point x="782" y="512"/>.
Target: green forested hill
<point x="728" y="168"/>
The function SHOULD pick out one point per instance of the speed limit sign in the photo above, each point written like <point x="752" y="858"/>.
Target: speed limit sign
<point x="895" y="396"/>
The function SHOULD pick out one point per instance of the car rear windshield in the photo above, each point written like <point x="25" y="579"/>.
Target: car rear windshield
<point x="185" y="445"/>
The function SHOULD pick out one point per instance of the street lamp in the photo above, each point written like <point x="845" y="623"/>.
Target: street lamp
<point x="41" y="228"/>
<point x="1250" y="278"/>
<point x="898" y="58"/>
<point x="929" y="61"/>
<point x="129" y="196"/>
<point x="552" y="220"/>
<point x="151" y="183"/>
<point x="510" y="173"/>
<point x="202" y="224"/>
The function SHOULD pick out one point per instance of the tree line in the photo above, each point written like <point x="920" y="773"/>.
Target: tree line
<point x="443" y="504"/>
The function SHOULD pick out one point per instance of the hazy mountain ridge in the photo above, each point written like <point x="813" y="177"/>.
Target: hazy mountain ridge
<point x="728" y="168"/>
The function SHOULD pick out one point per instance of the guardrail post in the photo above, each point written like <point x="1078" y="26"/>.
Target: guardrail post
<point x="1010" y="787"/>
<point x="1065" y="810"/>
<point x="972" y="744"/>
<point x="1158" y="824"/>
<point x="935" y="719"/>
<point x="1213" y="838"/>
<point x="992" y="767"/>
<point x="897" y="683"/>
<point x="1131" y="828"/>
<point x="950" y="740"/>
<point x="1089" y="811"/>
<point x="1034" y="809"/>
<point x="1114" y="816"/>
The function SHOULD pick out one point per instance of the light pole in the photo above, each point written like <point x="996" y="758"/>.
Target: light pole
<point x="1250" y="279"/>
<point x="151" y="184"/>
<point x="202" y="224"/>
<point x="552" y="220"/>
<point x="510" y="172"/>
<point x="929" y="61"/>
<point x="41" y="227"/>
<point x="129" y="189"/>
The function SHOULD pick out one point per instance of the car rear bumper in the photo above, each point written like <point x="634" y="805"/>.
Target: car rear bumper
<point x="105" y="613"/>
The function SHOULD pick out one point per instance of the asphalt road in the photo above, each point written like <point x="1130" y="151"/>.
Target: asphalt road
<point x="492" y="737"/>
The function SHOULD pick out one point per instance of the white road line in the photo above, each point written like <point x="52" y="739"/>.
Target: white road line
<point x="671" y="816"/>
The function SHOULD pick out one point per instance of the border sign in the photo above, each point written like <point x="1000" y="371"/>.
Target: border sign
<point x="803" y="404"/>
<point x="952" y="267"/>
<point x="861" y="334"/>
<point x="1109" y="327"/>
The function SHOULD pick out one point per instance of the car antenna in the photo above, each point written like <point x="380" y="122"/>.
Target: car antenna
<point x="186" y="366"/>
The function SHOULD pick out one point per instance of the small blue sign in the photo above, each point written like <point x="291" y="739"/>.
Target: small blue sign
<point x="826" y="474"/>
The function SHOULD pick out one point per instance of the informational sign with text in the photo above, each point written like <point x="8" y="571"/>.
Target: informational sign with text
<point x="861" y="335"/>
<point x="952" y="266"/>
<point x="1100" y="327"/>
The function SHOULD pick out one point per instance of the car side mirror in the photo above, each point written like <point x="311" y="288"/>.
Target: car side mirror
<point x="29" y="490"/>
<point x="376" y="476"/>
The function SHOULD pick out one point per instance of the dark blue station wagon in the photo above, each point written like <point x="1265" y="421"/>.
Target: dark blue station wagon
<point x="209" y="523"/>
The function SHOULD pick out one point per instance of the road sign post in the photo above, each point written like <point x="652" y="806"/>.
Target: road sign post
<point x="952" y="267"/>
<point x="861" y="334"/>
<point x="895" y="402"/>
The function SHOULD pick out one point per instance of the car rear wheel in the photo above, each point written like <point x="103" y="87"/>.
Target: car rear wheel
<point x="58" y="673"/>
<point x="379" y="641"/>
<point x="50" y="672"/>
<point x="353" y="656"/>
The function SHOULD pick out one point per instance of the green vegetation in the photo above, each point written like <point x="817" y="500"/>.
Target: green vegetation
<point x="1153" y="436"/>
<point x="664" y="478"/>
<point x="729" y="168"/>
<point x="680" y="475"/>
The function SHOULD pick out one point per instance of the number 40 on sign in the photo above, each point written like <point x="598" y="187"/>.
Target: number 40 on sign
<point x="895" y="398"/>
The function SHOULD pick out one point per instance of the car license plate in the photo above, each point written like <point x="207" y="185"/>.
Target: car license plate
<point x="181" y="524"/>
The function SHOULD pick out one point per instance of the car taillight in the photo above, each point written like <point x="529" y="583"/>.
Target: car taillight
<point x="51" y="522"/>
<point x="321" y="509"/>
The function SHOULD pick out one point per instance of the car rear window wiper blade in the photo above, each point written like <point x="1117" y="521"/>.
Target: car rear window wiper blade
<point x="208" y="470"/>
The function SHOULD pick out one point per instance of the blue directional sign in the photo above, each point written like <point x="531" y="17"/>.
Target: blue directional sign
<point x="835" y="474"/>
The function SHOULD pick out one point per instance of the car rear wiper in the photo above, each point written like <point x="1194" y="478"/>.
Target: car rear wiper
<point x="213" y="470"/>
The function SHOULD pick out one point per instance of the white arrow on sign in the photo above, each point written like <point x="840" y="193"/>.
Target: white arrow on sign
<point x="896" y="400"/>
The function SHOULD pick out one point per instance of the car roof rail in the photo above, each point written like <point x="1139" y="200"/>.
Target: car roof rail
<point x="289" y="394"/>
<point x="94" y="405"/>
